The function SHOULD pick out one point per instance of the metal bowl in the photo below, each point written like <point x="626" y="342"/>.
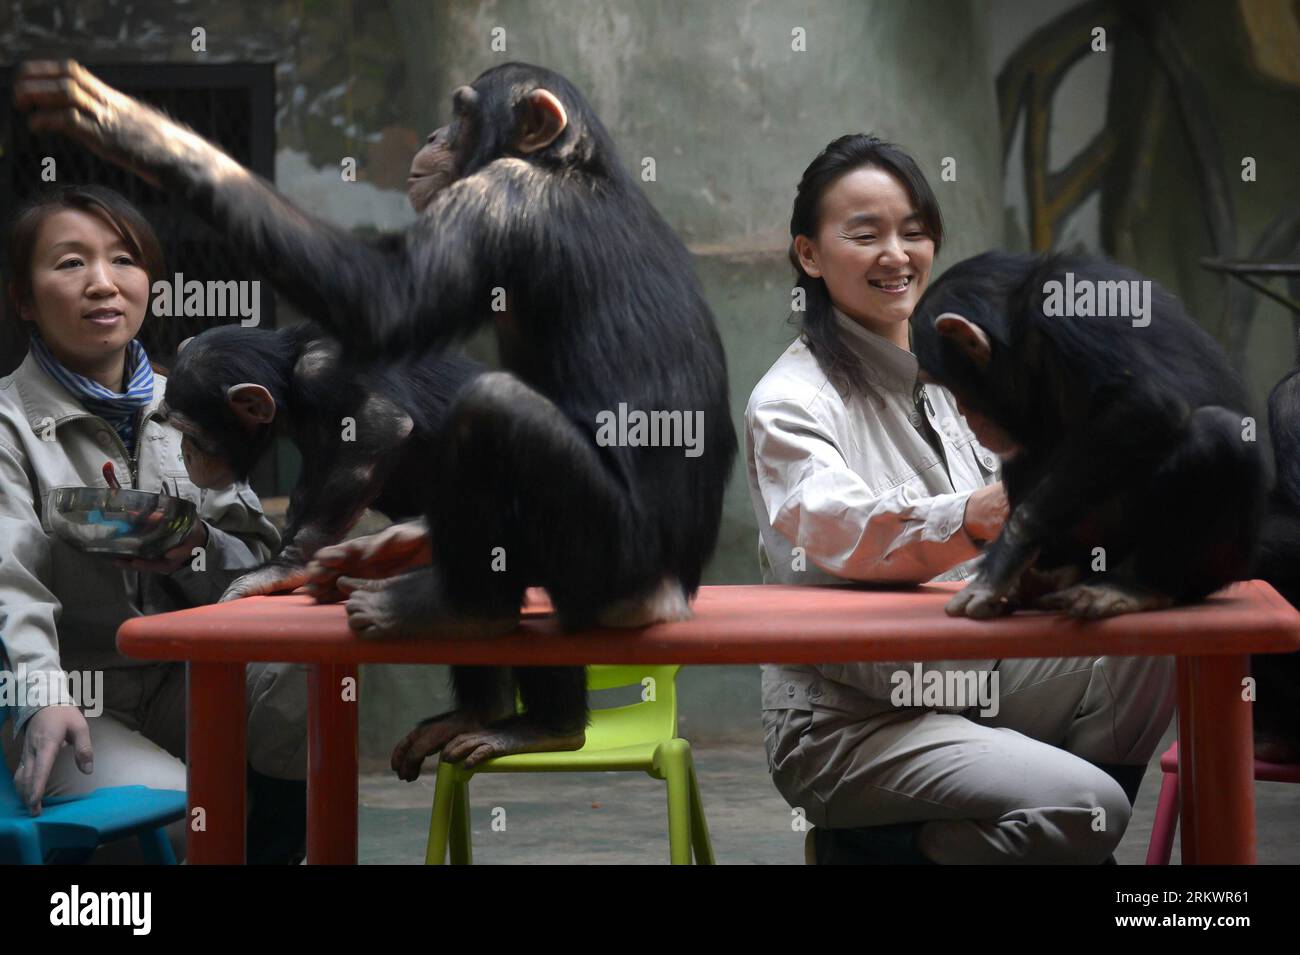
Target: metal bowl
<point x="127" y="523"/>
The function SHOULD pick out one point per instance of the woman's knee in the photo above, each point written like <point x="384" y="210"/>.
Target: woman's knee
<point x="1080" y="820"/>
<point x="277" y="719"/>
<point x="782" y="732"/>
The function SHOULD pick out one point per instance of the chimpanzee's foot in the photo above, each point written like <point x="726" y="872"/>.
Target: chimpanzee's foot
<point x="349" y="585"/>
<point x="329" y="587"/>
<point x="977" y="600"/>
<point x="389" y="552"/>
<point x="1104" y="599"/>
<point x="666" y="602"/>
<point x="274" y="578"/>
<point x="394" y="550"/>
<point x="1034" y="584"/>
<point x="428" y="737"/>
<point x="515" y="734"/>
<point x="410" y="605"/>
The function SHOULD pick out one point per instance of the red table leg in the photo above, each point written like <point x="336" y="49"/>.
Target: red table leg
<point x="1216" y="761"/>
<point x="216" y="724"/>
<point x="332" y="764"/>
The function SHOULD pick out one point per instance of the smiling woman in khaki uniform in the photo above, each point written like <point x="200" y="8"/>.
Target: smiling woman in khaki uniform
<point x="81" y="264"/>
<point x="858" y="472"/>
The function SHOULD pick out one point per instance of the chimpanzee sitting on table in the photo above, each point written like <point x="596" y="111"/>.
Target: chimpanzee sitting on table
<point x="1131" y="482"/>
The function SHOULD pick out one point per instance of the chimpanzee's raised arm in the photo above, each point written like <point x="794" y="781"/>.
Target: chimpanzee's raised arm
<point x="367" y="292"/>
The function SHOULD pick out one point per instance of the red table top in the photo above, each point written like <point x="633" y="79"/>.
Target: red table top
<point x="732" y="624"/>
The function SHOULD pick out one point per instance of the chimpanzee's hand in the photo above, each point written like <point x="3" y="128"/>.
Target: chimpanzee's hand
<point x="979" y="600"/>
<point x="61" y="96"/>
<point x="277" y="577"/>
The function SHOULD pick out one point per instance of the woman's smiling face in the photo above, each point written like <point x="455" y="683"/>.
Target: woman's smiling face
<point x="872" y="249"/>
<point x="89" y="292"/>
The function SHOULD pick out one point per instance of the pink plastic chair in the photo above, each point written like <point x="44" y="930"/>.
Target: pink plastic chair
<point x="1162" y="832"/>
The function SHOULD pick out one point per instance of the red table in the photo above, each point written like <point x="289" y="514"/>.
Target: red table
<point x="741" y="624"/>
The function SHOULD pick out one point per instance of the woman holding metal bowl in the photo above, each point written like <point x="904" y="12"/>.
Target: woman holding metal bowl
<point x="81" y="262"/>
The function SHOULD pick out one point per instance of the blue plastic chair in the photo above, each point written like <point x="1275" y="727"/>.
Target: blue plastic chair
<point x="70" y="828"/>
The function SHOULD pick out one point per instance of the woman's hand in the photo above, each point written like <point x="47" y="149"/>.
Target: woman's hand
<point x="173" y="559"/>
<point x="49" y="730"/>
<point x="986" y="512"/>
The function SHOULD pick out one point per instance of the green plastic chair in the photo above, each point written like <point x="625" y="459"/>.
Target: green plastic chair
<point x="641" y="737"/>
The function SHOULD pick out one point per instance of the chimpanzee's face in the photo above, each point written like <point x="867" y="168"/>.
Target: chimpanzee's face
<point x="205" y="465"/>
<point x="442" y="159"/>
<point x="987" y="431"/>
<point x="205" y="470"/>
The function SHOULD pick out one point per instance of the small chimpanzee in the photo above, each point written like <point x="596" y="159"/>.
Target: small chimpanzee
<point x="231" y="388"/>
<point x="1277" y="675"/>
<point x="1132" y="477"/>
<point x="533" y="224"/>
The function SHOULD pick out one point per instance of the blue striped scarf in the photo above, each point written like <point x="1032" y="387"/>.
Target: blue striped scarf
<point x="119" y="410"/>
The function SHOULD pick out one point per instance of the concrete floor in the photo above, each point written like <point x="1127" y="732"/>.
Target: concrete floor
<point x="620" y="818"/>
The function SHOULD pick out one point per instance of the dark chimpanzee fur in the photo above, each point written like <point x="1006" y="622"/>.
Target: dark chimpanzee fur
<point x="1126" y="437"/>
<point x="359" y="445"/>
<point x="529" y="222"/>
<point x="1277" y="675"/>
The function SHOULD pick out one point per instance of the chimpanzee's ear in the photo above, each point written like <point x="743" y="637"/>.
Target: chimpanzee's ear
<point x="544" y="120"/>
<point x="251" y="403"/>
<point x="966" y="335"/>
